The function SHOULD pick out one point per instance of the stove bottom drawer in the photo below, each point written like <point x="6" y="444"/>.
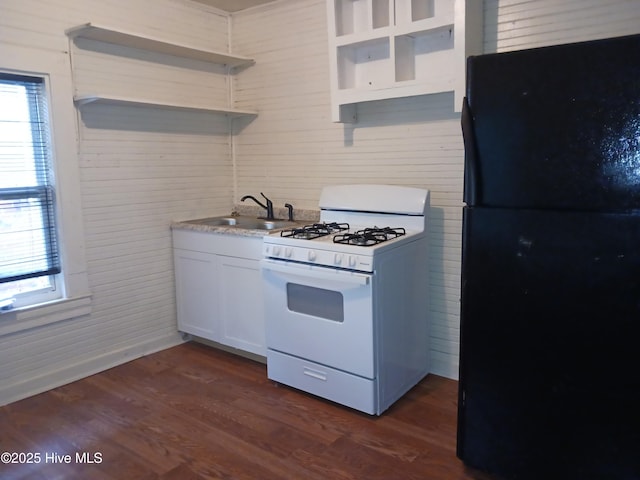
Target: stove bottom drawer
<point x="338" y="386"/>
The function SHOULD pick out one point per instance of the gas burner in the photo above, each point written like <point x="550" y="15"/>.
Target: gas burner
<point x="309" y="232"/>
<point x="369" y="236"/>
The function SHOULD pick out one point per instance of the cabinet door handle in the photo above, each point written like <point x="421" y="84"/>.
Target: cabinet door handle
<point x="315" y="374"/>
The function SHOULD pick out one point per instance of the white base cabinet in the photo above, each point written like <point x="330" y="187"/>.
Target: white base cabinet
<point x="219" y="288"/>
<point x="196" y="295"/>
<point x="241" y="308"/>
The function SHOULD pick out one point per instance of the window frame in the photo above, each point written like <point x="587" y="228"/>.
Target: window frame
<point x="55" y="67"/>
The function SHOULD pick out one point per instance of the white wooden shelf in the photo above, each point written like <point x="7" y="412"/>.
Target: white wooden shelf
<point x="81" y="100"/>
<point x="381" y="49"/>
<point x="118" y="37"/>
<point x="365" y="36"/>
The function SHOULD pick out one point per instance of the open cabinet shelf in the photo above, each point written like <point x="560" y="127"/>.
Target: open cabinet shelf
<point x="381" y="49"/>
<point x="118" y="37"/>
<point x="81" y="100"/>
<point x="121" y="38"/>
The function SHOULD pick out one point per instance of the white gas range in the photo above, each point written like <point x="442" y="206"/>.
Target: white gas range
<point x="346" y="299"/>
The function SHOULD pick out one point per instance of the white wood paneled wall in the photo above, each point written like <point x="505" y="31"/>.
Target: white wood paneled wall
<point x="292" y="149"/>
<point x="518" y="24"/>
<point x="139" y="170"/>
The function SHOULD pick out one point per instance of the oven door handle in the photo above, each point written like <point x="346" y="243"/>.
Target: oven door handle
<point x="314" y="272"/>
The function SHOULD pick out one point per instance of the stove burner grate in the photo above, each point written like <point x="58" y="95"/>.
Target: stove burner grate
<point x="369" y="236"/>
<point x="315" y="230"/>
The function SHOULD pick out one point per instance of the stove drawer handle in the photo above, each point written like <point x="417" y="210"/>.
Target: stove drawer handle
<point x="309" y="372"/>
<point x="316" y="272"/>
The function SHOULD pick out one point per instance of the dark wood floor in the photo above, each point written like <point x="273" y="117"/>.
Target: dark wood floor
<point x="194" y="412"/>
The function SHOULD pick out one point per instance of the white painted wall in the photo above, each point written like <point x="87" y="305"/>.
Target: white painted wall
<point x="292" y="149"/>
<point x="140" y="169"/>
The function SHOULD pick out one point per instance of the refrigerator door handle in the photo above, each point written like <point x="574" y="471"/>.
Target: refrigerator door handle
<point x="471" y="194"/>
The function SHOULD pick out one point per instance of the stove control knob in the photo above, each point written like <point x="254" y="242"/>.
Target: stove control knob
<point x="312" y="256"/>
<point x="337" y="259"/>
<point x="276" y="251"/>
<point x="287" y="252"/>
<point x="352" y="261"/>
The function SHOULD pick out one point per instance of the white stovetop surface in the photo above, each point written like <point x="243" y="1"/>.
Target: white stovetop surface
<point x="326" y="242"/>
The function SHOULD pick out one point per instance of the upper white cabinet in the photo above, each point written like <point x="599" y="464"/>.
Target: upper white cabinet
<point x="381" y="49"/>
<point x="125" y="39"/>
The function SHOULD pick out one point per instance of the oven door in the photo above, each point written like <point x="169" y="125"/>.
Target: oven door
<point x="320" y="314"/>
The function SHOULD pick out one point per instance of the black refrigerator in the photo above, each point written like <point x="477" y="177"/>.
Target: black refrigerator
<point x="550" y="307"/>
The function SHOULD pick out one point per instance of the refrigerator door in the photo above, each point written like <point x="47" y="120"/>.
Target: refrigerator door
<point x="556" y="127"/>
<point x="549" y="366"/>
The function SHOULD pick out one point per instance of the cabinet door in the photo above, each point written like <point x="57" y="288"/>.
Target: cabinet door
<point x="241" y="305"/>
<point x="196" y="292"/>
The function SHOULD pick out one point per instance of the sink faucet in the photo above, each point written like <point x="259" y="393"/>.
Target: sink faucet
<point x="268" y="206"/>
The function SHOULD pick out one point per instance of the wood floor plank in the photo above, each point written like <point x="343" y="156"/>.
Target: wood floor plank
<point x="194" y="412"/>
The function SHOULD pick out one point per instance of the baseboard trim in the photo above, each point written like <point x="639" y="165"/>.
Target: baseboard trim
<point x="56" y="378"/>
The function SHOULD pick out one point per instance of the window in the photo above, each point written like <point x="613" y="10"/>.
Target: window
<point x="65" y="295"/>
<point x="29" y="258"/>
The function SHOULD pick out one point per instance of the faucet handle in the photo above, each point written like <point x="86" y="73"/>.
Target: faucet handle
<point x="290" y="208"/>
<point x="269" y="207"/>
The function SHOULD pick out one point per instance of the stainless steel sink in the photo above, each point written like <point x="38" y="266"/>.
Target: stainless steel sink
<point x="250" y="223"/>
<point x="266" y="224"/>
<point x="215" y="221"/>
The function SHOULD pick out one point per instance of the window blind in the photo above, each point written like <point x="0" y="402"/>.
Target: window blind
<point x="28" y="243"/>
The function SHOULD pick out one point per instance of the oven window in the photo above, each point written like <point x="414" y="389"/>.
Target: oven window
<point x="317" y="302"/>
